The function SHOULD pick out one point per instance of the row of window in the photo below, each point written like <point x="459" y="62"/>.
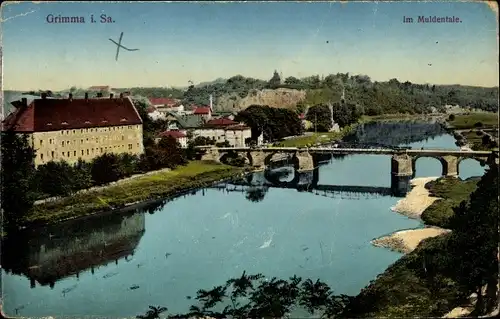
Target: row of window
<point x="92" y="151"/>
<point x="103" y="139"/>
<point x="104" y="129"/>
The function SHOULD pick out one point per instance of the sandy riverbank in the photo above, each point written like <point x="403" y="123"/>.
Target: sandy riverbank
<point x="413" y="205"/>
<point x="417" y="200"/>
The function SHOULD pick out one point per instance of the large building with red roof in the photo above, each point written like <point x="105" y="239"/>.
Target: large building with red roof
<point x="72" y="129"/>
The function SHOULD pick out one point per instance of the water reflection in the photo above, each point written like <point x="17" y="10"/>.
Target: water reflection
<point x="395" y="133"/>
<point x="48" y="255"/>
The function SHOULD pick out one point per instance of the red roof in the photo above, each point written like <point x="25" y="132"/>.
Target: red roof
<point x="64" y="114"/>
<point x="163" y="101"/>
<point x="174" y="134"/>
<point x="202" y="110"/>
<point x="302" y="116"/>
<point x="221" y="122"/>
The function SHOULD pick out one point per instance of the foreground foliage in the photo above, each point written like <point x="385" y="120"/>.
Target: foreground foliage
<point x="253" y="296"/>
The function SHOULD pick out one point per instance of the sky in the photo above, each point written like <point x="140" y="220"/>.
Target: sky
<point x="182" y="42"/>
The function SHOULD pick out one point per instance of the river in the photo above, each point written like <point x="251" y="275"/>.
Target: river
<point x="118" y="265"/>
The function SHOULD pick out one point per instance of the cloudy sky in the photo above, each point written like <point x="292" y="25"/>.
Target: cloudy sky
<point x="179" y="42"/>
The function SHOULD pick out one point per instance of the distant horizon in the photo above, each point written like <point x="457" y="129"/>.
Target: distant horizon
<point x="210" y="82"/>
<point x="182" y="42"/>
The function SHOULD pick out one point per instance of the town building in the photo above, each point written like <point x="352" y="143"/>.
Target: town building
<point x="184" y="122"/>
<point x="179" y="136"/>
<point x="154" y="114"/>
<point x="203" y="112"/>
<point x="226" y="130"/>
<point x="167" y="105"/>
<point x="72" y="129"/>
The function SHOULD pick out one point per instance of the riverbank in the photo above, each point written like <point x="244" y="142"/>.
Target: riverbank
<point x="412" y="206"/>
<point x="317" y="138"/>
<point x="156" y="186"/>
<point x="405" y="289"/>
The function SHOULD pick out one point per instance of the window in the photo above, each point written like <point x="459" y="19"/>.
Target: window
<point x="87" y="139"/>
<point x="73" y="131"/>
<point x="87" y="152"/>
<point x="62" y="154"/>
<point x="81" y="131"/>
<point x="62" y="143"/>
<point x="52" y="153"/>
<point x="81" y="141"/>
<point x="101" y="149"/>
<point x="41" y="142"/>
<point x="67" y="142"/>
<point x="41" y="156"/>
<point x="82" y="152"/>
<point x="137" y="144"/>
<point x="130" y="146"/>
<point x="68" y="154"/>
<point x="123" y="137"/>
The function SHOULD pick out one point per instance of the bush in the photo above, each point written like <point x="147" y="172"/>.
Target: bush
<point x="106" y="169"/>
<point x="478" y="124"/>
<point x="451" y="117"/>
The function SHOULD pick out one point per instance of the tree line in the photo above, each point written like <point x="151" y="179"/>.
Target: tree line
<point x="372" y="97"/>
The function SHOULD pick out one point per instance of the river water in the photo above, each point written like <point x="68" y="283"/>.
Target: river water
<point x="118" y="265"/>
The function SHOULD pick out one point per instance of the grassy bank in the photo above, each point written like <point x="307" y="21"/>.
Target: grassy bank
<point x="451" y="191"/>
<point x="421" y="282"/>
<point x="418" y="284"/>
<point x="317" y="138"/>
<point x="156" y="186"/>
<point x="467" y="121"/>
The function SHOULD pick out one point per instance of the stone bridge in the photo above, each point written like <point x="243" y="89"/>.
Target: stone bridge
<point x="402" y="163"/>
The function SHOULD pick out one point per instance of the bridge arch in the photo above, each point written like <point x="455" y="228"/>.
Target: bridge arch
<point x="280" y="157"/>
<point x="472" y="166"/>
<point x="447" y="168"/>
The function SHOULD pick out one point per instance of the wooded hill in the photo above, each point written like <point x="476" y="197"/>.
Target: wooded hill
<point x="374" y="98"/>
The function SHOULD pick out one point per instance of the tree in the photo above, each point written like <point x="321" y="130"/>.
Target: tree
<point x="57" y="178"/>
<point x="17" y="173"/>
<point x="275" y="81"/>
<point x="320" y="116"/>
<point x="253" y="296"/>
<point x="475" y="241"/>
<point x="274" y="123"/>
<point x="106" y="169"/>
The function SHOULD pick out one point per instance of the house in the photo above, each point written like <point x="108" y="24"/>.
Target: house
<point x="154" y="114"/>
<point x="204" y="112"/>
<point x="163" y="102"/>
<point x="184" y="122"/>
<point x="179" y="136"/>
<point x="166" y="105"/>
<point x="72" y="129"/>
<point x="223" y="130"/>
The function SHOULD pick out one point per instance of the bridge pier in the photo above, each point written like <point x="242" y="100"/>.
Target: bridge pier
<point x="401" y="174"/>
<point x="211" y="155"/>
<point x="258" y="159"/>
<point x="306" y="162"/>
<point x="450" y="166"/>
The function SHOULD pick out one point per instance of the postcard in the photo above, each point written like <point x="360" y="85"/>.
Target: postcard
<point x="249" y="159"/>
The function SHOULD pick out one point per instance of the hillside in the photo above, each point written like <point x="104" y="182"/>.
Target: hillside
<point x="281" y="98"/>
